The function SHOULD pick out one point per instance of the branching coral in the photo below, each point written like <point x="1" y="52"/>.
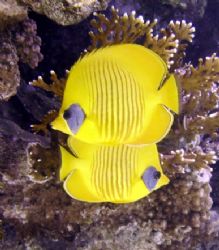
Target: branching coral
<point x="200" y="100"/>
<point x="180" y="161"/>
<point x="56" y="87"/>
<point x="117" y="29"/>
<point x="183" y="33"/>
<point x="169" y="43"/>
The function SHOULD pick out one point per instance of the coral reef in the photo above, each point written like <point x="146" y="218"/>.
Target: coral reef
<point x="170" y="44"/>
<point x="66" y="12"/>
<point x="174" y="216"/>
<point x="35" y="211"/>
<point x="56" y="87"/>
<point x="28" y="43"/>
<point x="21" y="43"/>
<point x="18" y="42"/>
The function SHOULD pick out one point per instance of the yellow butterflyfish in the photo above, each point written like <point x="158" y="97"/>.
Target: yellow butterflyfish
<point x="119" y="94"/>
<point x="110" y="173"/>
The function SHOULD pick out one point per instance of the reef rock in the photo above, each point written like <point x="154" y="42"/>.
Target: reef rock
<point x="9" y="71"/>
<point x="11" y="13"/>
<point x="66" y="12"/>
<point x="18" y="43"/>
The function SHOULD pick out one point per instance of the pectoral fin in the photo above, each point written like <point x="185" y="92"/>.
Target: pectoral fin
<point x="68" y="163"/>
<point x="158" y="127"/>
<point x="83" y="150"/>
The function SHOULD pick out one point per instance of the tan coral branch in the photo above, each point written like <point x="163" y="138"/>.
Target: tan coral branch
<point x="117" y="29"/>
<point x="203" y="124"/>
<point x="177" y="161"/>
<point x="165" y="46"/>
<point x="46" y="120"/>
<point x="56" y="87"/>
<point x="202" y="76"/>
<point x="183" y="31"/>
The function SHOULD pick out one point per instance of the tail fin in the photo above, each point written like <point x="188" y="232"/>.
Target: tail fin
<point x="169" y="94"/>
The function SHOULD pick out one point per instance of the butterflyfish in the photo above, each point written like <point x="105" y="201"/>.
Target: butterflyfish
<point x="119" y="94"/>
<point x="110" y="173"/>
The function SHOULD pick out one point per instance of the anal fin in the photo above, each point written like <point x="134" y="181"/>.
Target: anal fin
<point x="67" y="165"/>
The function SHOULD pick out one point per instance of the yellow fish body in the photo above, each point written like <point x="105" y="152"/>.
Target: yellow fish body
<point x="106" y="173"/>
<point x="118" y="94"/>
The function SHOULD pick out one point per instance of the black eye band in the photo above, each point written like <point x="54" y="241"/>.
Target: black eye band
<point x="151" y="177"/>
<point x="74" y="116"/>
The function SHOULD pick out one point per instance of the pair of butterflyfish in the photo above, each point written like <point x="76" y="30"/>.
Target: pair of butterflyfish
<point x="117" y="104"/>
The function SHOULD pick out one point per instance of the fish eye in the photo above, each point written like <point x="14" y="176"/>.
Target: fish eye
<point x="67" y="114"/>
<point x="150" y="177"/>
<point x="74" y="116"/>
<point x="157" y="175"/>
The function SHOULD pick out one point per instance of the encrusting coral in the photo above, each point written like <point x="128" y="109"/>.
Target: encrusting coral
<point x="177" y="216"/>
<point x="28" y="43"/>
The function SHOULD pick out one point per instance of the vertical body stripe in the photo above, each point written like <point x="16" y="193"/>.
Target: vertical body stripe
<point x="117" y="100"/>
<point x="113" y="169"/>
